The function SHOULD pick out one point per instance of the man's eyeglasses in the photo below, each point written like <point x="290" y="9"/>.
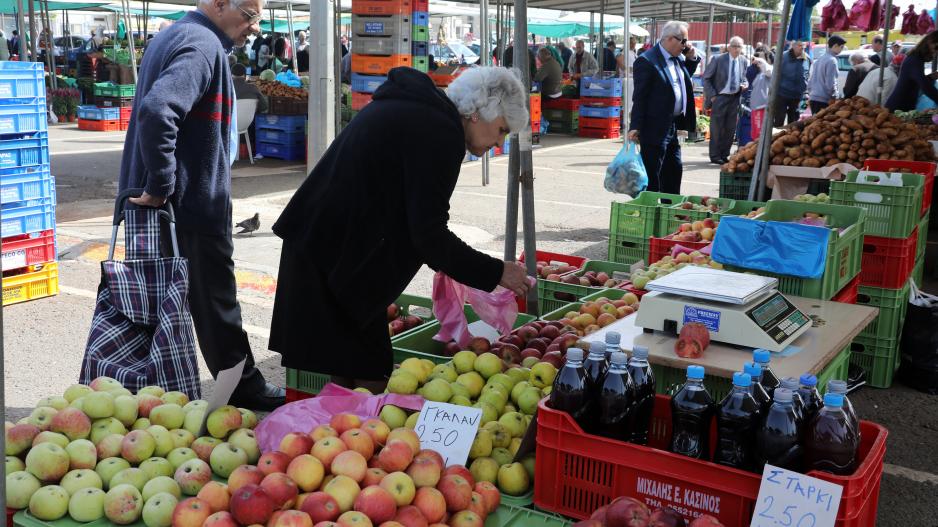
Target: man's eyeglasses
<point x="683" y="40"/>
<point x="249" y="17"/>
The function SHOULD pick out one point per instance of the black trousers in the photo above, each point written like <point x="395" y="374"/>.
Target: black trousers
<point x="216" y="313"/>
<point x="786" y="108"/>
<point x="817" y="106"/>
<point x="663" y="163"/>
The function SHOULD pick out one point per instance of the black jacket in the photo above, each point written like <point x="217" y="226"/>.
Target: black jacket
<point x="371" y="212"/>
<point x="653" y="99"/>
<point x="855" y="76"/>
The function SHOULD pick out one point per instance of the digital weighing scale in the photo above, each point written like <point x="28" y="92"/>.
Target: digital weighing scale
<point x="741" y="309"/>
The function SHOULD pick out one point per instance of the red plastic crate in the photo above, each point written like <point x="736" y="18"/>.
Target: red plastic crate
<point x="601" y="123"/>
<point x="125" y="113"/>
<point x="887" y="262"/>
<point x="661" y="247"/>
<point x="603" y="102"/>
<point x="421" y="6"/>
<point x="35" y="248"/>
<point x="561" y="103"/>
<point x="598" y="133"/>
<point x="360" y="100"/>
<point x="536" y="105"/>
<point x="583" y="472"/>
<point x="848" y="295"/>
<point x="297" y="395"/>
<point x="544" y="256"/>
<point x="100" y="126"/>
<point x="632" y="289"/>
<point x="536" y="126"/>
<point x="382" y="7"/>
<point x="125" y="124"/>
<point x="924" y="168"/>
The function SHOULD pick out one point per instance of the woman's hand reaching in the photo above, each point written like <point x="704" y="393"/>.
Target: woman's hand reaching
<point x="515" y="278"/>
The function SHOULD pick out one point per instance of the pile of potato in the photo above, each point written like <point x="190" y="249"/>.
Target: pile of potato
<point x="848" y="131"/>
<point x="279" y="89"/>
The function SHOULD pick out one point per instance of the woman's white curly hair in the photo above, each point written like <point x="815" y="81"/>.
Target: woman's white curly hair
<point x="493" y="92"/>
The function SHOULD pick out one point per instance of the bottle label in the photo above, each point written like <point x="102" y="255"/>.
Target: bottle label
<point x="707" y="317"/>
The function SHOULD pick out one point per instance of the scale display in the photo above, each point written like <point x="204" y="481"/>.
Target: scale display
<point x="777" y="317"/>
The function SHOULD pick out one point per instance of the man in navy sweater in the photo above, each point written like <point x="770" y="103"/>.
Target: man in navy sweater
<point x="180" y="145"/>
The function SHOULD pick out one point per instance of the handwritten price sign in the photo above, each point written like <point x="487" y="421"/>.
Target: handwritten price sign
<point x="790" y="499"/>
<point x="449" y="429"/>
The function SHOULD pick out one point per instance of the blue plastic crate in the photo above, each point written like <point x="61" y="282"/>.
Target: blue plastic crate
<point x="270" y="135"/>
<point x="31" y="216"/>
<point x="367" y="83"/>
<point x="23" y="118"/>
<point x="421" y="49"/>
<point x="284" y="123"/>
<point x="93" y="113"/>
<point x="600" y="111"/>
<point x="25" y="151"/>
<point x="421" y="18"/>
<point x="596" y="87"/>
<point x="25" y="183"/>
<point x="22" y="82"/>
<point x="278" y="151"/>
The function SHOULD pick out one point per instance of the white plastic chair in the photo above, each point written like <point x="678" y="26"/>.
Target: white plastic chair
<point x="246" y="109"/>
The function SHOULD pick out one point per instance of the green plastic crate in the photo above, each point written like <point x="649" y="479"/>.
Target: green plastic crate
<point x="107" y="89"/>
<point x="740" y="208"/>
<point x="611" y="294"/>
<point x="671" y="218"/>
<point x="918" y="272"/>
<point x="837" y="369"/>
<point x="628" y="249"/>
<point x="557" y="314"/>
<point x="555" y="114"/>
<point x="879" y="357"/>
<point x="507" y="515"/>
<point x="307" y="381"/>
<point x="639" y="218"/>
<point x="554" y="295"/>
<point x="419" y="306"/>
<point x="735" y="185"/>
<point x="560" y="127"/>
<point x="891" y="212"/>
<point x="421" y="63"/>
<point x="421" y="33"/>
<point x="419" y="342"/>
<point x="892" y="304"/>
<point x="524" y="500"/>
<point x="922" y="241"/>
<point x="844" y="247"/>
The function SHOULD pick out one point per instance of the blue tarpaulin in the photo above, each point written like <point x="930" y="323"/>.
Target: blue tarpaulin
<point x="777" y="247"/>
<point x="800" y="26"/>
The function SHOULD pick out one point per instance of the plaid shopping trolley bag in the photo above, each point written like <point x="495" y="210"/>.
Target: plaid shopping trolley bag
<point x="141" y="333"/>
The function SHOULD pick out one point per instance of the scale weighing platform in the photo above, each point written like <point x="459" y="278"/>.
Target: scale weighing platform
<point x="741" y="309"/>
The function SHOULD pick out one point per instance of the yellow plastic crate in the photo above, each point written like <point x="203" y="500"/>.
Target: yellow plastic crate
<point x="29" y="286"/>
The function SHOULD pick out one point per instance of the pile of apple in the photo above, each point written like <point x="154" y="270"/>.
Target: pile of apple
<point x="668" y="264"/>
<point x="630" y="512"/>
<point x="753" y="213"/>
<point x="508" y="398"/>
<point x="597" y="314"/>
<point x="706" y="204"/>
<point x="398" y="323"/>
<point x="813" y="198"/>
<point x="553" y="270"/>
<point x="101" y="452"/>
<point x="348" y="473"/>
<point x="587" y="279"/>
<point x="698" y="231"/>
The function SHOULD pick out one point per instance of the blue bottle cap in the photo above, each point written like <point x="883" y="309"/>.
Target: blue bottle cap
<point x="834" y="400"/>
<point x="754" y="370"/>
<point x="782" y="395"/>
<point x="743" y="380"/>
<point x="808" y="380"/>
<point x="640" y="352"/>
<point x="835" y="386"/>
<point x="574" y="354"/>
<point x="789" y="383"/>
<point x="619" y="358"/>
<point x="695" y="372"/>
<point x="761" y="356"/>
<point x="613" y="337"/>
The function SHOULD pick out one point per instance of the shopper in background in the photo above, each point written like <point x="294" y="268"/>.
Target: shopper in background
<point x="182" y="139"/>
<point x="860" y="66"/>
<point x="302" y="52"/>
<point x="878" y="44"/>
<point x="663" y="89"/>
<point x="724" y="80"/>
<point x="264" y="53"/>
<point x="870" y="85"/>
<point x="581" y="63"/>
<point x="794" y="82"/>
<point x="14" y="43"/>
<point x="385" y="214"/>
<point x="565" y="54"/>
<point x="626" y="59"/>
<point x="554" y="52"/>
<point x="246" y="90"/>
<point x="550" y="75"/>
<point x="759" y="96"/>
<point x="344" y="42"/>
<point x="912" y="80"/>
<point x="822" y="82"/>
<point x="609" y="57"/>
<point x="4" y="49"/>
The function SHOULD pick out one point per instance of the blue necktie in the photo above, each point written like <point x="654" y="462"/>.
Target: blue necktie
<point x="680" y="81"/>
<point x="734" y="75"/>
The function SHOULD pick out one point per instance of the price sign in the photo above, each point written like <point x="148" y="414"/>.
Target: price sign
<point x="449" y="429"/>
<point x="790" y="499"/>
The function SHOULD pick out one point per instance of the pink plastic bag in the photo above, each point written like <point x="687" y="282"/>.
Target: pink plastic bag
<point x="499" y="308"/>
<point x="303" y="416"/>
<point x="834" y="17"/>
<point x="678" y="249"/>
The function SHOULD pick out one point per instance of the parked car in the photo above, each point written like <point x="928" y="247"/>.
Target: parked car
<point x="454" y="53"/>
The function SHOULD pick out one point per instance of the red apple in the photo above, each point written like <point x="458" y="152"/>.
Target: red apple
<point x="705" y="521"/>
<point x="480" y="345"/>
<point x="251" y="504"/>
<point x="457" y="491"/>
<point x="376" y="503"/>
<point x="460" y="470"/>
<point x="451" y="348"/>
<point x="627" y="512"/>
<point x="666" y="517"/>
<point x="410" y="516"/>
<point x="321" y="507"/>
<point x="553" y="357"/>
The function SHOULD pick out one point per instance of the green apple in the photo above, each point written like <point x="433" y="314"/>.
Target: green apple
<point x="123" y="504"/>
<point x="459" y="389"/>
<point x="105" y="427"/>
<point x="412" y="420"/>
<point x="545" y="391"/>
<point x="464" y="361"/>
<point x="59" y="403"/>
<point x="168" y="415"/>
<point x="513" y="479"/>
<point x="528" y="400"/>
<point x="51" y="437"/>
<point x="198" y="404"/>
<point x="192" y="423"/>
<point x="502" y="456"/>
<point x="488" y="364"/>
<point x="473" y="382"/>
<point x="20" y="486"/>
<point x="177" y="398"/>
<point x="484" y="469"/>
<point x="120" y="391"/>
<point x="178" y="456"/>
<point x="225" y="458"/>
<point x="181" y="437"/>
<point x="528" y="463"/>
<point x="157" y="466"/>
<point x="481" y="445"/>
<point x="542" y="374"/>
<point x="489" y="412"/>
<point x="78" y="403"/>
<point x="129" y="476"/>
<point x="529" y="362"/>
<point x="81" y="454"/>
<point x="444" y="372"/>
<point x="42" y="417"/>
<point x="222" y="421"/>
<point x="160" y="484"/>
<point x="87" y="505"/>
<point x="47" y="461"/>
<point x="500" y="435"/>
<point x="248" y="418"/>
<point x="164" y="441"/>
<point x="514" y="423"/>
<point x="76" y="391"/>
<point x="105" y="384"/>
<point x="98" y="405"/>
<point x="158" y="510"/>
<point x="496" y="399"/>
<point x="14" y="464"/>
<point x="110" y="446"/>
<point x="49" y="503"/>
<point x="203" y="447"/>
<point x="518" y="390"/>
<point x="107" y="468"/>
<point x="137" y="446"/>
<point x="142" y="423"/>
<point x="460" y="400"/>
<point x="403" y="382"/>
<point x="504" y="379"/>
<point x="509" y="408"/>
<point x="518" y="374"/>
<point x="125" y="409"/>
<point x="244" y="439"/>
<point x="392" y="416"/>
<point x="79" y="479"/>
<point x="153" y="390"/>
<point x="437" y="390"/>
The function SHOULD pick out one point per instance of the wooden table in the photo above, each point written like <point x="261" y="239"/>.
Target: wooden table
<point x="835" y="325"/>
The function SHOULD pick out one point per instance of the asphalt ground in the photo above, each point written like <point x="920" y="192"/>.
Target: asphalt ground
<point x="44" y="339"/>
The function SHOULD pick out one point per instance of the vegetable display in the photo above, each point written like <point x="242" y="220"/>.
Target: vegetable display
<point x="278" y="89"/>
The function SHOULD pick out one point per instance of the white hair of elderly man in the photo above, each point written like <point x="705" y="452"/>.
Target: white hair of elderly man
<point x="674" y="28"/>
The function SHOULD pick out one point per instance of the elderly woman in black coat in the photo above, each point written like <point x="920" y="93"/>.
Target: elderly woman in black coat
<point x="375" y="208"/>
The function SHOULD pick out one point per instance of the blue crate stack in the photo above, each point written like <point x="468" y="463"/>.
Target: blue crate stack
<point x="281" y="136"/>
<point x="27" y="188"/>
<point x="600" y="110"/>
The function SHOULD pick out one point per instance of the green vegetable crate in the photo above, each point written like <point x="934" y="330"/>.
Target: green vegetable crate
<point x="611" y="294"/>
<point x="554" y="295"/>
<point x="639" y="218"/>
<point x="740" y="208"/>
<point x="671" y="218"/>
<point x="844" y="247"/>
<point x="735" y="185"/>
<point x="891" y="211"/>
<point x="879" y="357"/>
<point x="892" y="304"/>
<point x="107" y="89"/>
<point x="628" y="249"/>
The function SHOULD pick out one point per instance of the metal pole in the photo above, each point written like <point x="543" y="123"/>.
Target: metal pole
<point x="21" y="29"/>
<point x="768" y="38"/>
<point x="322" y="80"/>
<point x="592" y="31"/>
<point x="601" y="50"/>
<point x="50" y="50"/>
<point x="627" y="72"/>
<point x="130" y="39"/>
<point x="336" y="62"/>
<point x="32" y="31"/>
<point x="525" y="174"/>
<point x="882" y="55"/>
<point x="486" y="61"/>
<point x="707" y="53"/>
<point x="761" y="169"/>
<point x="291" y="36"/>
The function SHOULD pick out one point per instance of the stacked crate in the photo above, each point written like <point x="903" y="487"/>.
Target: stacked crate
<point x="27" y="188"/>
<point x="111" y="111"/>
<point x="281" y="136"/>
<point x="894" y="215"/>
<point x="383" y="36"/>
<point x="600" y="112"/>
<point x="562" y="115"/>
<point x="420" y="37"/>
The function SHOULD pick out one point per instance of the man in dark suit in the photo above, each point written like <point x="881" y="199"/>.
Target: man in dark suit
<point x="724" y="81"/>
<point x="663" y="88"/>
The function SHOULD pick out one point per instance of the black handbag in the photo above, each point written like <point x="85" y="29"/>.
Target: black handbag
<point x="919" y="347"/>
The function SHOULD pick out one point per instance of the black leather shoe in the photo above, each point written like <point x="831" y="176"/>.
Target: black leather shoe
<point x="716" y="162"/>
<point x="266" y="400"/>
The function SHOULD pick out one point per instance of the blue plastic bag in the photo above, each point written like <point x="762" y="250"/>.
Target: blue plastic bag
<point x="925" y="102"/>
<point x="626" y="173"/>
<point x="776" y="247"/>
<point x="289" y="78"/>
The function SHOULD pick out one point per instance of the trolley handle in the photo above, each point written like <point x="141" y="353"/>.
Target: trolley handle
<point x="165" y="212"/>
